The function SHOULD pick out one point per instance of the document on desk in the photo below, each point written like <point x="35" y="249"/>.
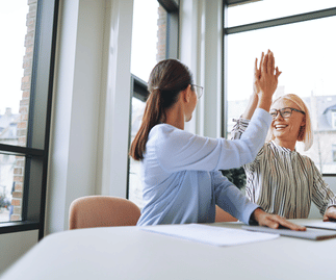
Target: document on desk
<point x="218" y="236"/>
<point x="321" y="225"/>
<point x="313" y="234"/>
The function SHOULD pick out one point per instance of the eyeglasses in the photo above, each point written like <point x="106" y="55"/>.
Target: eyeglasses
<point x="284" y="112"/>
<point x="198" y="90"/>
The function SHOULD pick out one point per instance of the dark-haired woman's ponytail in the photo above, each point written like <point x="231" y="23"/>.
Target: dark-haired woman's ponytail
<point x="152" y="116"/>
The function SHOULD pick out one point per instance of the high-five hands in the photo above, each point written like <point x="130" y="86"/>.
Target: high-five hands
<point x="265" y="80"/>
<point x="266" y="76"/>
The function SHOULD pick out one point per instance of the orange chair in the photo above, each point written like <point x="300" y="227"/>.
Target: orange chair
<point x="102" y="211"/>
<point x="222" y="216"/>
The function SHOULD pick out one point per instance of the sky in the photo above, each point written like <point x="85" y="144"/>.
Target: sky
<point x="13" y="30"/>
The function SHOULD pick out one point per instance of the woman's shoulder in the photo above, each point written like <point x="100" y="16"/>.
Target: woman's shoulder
<point x="306" y="159"/>
<point x="167" y="135"/>
<point x="166" y="130"/>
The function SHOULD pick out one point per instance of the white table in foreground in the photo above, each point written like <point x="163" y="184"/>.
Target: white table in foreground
<point x="132" y="253"/>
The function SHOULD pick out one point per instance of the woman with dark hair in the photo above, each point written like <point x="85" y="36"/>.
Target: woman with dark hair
<point x="180" y="177"/>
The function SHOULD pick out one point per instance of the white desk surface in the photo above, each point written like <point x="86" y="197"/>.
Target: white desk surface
<point x="132" y="253"/>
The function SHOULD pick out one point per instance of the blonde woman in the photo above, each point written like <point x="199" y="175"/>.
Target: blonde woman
<point x="281" y="180"/>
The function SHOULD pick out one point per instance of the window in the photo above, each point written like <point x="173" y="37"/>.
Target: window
<point x="25" y="95"/>
<point x="154" y="38"/>
<point x="255" y="10"/>
<point x="333" y="116"/>
<point x="296" y="34"/>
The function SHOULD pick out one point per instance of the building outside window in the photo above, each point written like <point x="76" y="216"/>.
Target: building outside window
<point x="16" y="68"/>
<point x="29" y="28"/>
<point x="297" y="33"/>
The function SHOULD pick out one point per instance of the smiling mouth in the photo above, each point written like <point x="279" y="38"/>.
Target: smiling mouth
<point x="279" y="127"/>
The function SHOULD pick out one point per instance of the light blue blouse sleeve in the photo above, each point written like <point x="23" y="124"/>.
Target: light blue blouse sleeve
<point x="179" y="150"/>
<point x="229" y="198"/>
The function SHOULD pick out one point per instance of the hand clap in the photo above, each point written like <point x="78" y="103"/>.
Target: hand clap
<point x="266" y="76"/>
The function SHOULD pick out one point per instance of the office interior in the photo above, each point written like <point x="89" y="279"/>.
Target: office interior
<point x="91" y="95"/>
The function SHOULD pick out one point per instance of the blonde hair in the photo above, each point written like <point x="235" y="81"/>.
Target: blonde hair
<point x="306" y="133"/>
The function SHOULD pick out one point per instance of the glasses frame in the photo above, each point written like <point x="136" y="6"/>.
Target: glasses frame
<point x="198" y="90"/>
<point x="281" y="111"/>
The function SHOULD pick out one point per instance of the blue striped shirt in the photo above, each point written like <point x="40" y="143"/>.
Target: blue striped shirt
<point x="180" y="177"/>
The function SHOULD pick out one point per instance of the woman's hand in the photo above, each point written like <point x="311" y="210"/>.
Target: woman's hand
<point x="267" y="79"/>
<point x="330" y="214"/>
<point x="274" y="221"/>
<point x="254" y="99"/>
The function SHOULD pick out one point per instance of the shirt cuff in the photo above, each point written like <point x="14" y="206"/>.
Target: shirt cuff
<point x="248" y="213"/>
<point x="252" y="221"/>
<point x="262" y="115"/>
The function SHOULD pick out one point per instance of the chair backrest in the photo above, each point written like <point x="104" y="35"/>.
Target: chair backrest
<point x="102" y="211"/>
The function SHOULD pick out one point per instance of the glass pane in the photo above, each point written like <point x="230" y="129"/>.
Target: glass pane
<point x="270" y="9"/>
<point x="11" y="187"/>
<point x="307" y="63"/>
<point x="135" y="189"/>
<point x="148" y="37"/>
<point x="15" y="68"/>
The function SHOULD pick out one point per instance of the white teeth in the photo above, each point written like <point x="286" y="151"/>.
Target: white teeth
<point x="280" y="126"/>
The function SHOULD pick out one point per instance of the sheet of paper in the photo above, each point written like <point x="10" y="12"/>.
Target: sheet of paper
<point x="218" y="236"/>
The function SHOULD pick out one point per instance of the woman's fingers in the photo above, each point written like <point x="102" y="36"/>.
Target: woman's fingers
<point x="264" y="64"/>
<point x="261" y="60"/>
<point x="277" y="72"/>
<point x="275" y="221"/>
<point x="270" y="62"/>
<point x="290" y="225"/>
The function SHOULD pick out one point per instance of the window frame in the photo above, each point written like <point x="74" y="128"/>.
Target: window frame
<point x="38" y="136"/>
<point x="318" y="14"/>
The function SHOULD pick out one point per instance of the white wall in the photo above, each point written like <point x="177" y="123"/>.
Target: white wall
<point x="89" y="142"/>
<point x="201" y="32"/>
<point x="14" y="245"/>
<point x="73" y="148"/>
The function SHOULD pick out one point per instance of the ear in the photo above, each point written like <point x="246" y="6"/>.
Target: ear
<point x="186" y="94"/>
<point x="303" y="123"/>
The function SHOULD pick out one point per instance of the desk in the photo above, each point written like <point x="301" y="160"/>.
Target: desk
<point x="132" y="253"/>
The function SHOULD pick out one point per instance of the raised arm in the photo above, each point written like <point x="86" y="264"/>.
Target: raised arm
<point x="264" y="84"/>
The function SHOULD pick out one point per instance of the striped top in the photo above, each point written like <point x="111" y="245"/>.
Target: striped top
<point x="284" y="182"/>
